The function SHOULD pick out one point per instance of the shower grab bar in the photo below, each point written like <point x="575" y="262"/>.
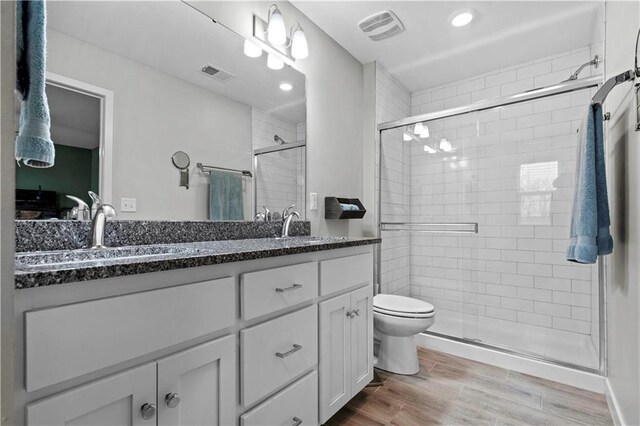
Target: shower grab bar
<point x="432" y="227"/>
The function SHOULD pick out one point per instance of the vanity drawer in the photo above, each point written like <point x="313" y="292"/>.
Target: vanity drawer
<point x="276" y="351"/>
<point x="271" y="290"/>
<point x="345" y="272"/>
<point x="298" y="402"/>
<point x="68" y="341"/>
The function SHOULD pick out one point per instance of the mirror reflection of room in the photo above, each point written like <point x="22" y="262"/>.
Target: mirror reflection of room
<point x="185" y="84"/>
<point x="41" y="193"/>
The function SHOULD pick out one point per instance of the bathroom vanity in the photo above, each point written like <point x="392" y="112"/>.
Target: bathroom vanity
<point x="260" y="331"/>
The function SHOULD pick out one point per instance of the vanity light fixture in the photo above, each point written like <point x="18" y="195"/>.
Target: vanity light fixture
<point x="285" y="86"/>
<point x="445" y="145"/>
<point x="421" y="130"/>
<point x="299" y="46"/>
<point x="251" y="49"/>
<point x="461" y="17"/>
<point x="274" y="62"/>
<point x="276" y="30"/>
<point x="273" y="36"/>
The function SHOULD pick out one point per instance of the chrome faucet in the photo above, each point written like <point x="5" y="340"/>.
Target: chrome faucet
<point x="100" y="212"/>
<point x="266" y="216"/>
<point x="287" y="218"/>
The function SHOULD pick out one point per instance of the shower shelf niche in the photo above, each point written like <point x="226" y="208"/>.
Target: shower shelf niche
<point x="334" y="210"/>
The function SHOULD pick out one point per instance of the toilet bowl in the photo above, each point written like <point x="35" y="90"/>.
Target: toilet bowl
<point x="396" y="320"/>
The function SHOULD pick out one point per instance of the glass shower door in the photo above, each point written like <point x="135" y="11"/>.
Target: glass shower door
<point x="429" y="220"/>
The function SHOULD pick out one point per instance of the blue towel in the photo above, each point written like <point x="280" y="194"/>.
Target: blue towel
<point x="33" y="144"/>
<point x="225" y="196"/>
<point x="590" y="221"/>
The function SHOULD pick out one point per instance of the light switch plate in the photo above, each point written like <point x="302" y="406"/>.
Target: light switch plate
<point x="313" y="201"/>
<point x="128" y="205"/>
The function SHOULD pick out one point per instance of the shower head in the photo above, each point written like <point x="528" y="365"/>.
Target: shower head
<point x="595" y="61"/>
<point x="279" y="139"/>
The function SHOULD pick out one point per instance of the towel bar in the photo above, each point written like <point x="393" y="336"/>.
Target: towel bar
<point x="207" y="169"/>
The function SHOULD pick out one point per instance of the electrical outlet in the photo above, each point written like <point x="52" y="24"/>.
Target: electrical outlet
<point x="127" y="205"/>
<point x="313" y="201"/>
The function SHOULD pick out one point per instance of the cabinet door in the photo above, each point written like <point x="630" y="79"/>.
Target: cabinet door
<point x="204" y="379"/>
<point x="114" y="401"/>
<point x="334" y="365"/>
<point x="361" y="338"/>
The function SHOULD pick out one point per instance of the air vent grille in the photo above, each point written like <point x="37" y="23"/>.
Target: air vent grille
<point x="381" y="25"/>
<point x="216" y="73"/>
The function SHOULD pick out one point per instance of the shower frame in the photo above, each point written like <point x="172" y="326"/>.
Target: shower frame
<point x="530" y="95"/>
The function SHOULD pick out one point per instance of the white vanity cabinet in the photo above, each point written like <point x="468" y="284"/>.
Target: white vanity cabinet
<point x="282" y="340"/>
<point x="346" y="348"/>
<point x="194" y="387"/>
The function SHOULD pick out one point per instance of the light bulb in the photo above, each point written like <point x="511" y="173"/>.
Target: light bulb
<point x="419" y="128"/>
<point x="276" y="30"/>
<point x="299" y="46"/>
<point x="445" y="145"/>
<point x="274" y="62"/>
<point x="425" y="132"/>
<point x="462" y="19"/>
<point x="251" y="50"/>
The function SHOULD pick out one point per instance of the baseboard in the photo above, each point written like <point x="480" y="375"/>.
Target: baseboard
<point x="569" y="376"/>
<point x="612" y="402"/>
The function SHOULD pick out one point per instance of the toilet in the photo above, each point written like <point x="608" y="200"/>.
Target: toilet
<point x="396" y="320"/>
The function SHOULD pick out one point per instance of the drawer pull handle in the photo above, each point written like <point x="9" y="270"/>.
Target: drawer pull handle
<point x="284" y="290"/>
<point x="297" y="421"/>
<point x="148" y="411"/>
<point x="172" y="400"/>
<point x="295" y="349"/>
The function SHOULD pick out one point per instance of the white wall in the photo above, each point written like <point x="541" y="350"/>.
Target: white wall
<point x="334" y="109"/>
<point x="623" y="271"/>
<point x="154" y="116"/>
<point x="7" y="208"/>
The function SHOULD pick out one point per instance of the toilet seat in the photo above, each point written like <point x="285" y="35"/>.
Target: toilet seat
<point x="403" y="307"/>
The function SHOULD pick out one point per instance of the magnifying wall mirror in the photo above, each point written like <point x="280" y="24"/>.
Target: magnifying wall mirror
<point x="181" y="160"/>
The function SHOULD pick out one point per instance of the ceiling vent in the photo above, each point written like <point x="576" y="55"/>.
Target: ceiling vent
<point x="381" y="25"/>
<point x="216" y="73"/>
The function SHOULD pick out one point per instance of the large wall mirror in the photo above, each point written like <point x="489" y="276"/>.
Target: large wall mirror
<point x="132" y="83"/>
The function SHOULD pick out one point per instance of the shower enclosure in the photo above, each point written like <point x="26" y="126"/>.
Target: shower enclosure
<point x="474" y="210"/>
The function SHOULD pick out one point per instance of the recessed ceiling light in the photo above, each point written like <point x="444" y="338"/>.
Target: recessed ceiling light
<point x="285" y="86"/>
<point x="461" y="18"/>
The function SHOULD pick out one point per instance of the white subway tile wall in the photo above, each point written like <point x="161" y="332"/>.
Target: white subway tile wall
<point x="511" y="170"/>
<point x="280" y="176"/>
<point x="392" y="103"/>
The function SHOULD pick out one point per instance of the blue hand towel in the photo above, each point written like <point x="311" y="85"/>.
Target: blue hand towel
<point x="590" y="220"/>
<point x="33" y="144"/>
<point x="225" y="196"/>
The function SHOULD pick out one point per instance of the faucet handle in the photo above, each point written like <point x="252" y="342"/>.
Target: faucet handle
<point x="108" y="210"/>
<point x="286" y="213"/>
<point x="81" y="211"/>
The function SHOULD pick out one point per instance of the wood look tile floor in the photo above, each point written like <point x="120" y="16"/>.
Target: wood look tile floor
<point x="450" y="390"/>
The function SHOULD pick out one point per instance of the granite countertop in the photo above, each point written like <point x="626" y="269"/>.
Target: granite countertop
<point x="45" y="268"/>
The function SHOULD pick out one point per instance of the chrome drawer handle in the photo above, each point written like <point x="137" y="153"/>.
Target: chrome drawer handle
<point x="295" y="349"/>
<point x="297" y="421"/>
<point x="284" y="290"/>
